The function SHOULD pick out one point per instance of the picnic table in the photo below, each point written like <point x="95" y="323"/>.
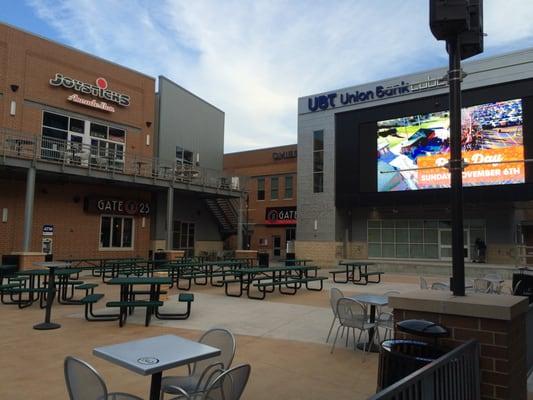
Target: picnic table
<point x="127" y="295"/>
<point x="295" y="261"/>
<point x="348" y="268"/>
<point x="201" y="273"/>
<point x="267" y="279"/>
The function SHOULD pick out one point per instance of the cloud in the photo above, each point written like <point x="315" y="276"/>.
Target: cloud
<point x="254" y="59"/>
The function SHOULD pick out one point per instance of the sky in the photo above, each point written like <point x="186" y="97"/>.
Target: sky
<point x="254" y="58"/>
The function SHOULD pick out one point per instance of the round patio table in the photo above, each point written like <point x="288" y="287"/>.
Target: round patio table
<point x="51" y="265"/>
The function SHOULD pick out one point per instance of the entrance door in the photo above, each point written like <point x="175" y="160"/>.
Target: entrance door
<point x="445" y="244"/>
<point x="276" y="240"/>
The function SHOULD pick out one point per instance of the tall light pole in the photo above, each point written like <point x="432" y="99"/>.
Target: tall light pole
<point x="460" y="24"/>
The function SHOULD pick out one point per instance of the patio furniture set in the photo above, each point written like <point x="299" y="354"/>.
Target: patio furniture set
<point x="210" y="375"/>
<point x="364" y="312"/>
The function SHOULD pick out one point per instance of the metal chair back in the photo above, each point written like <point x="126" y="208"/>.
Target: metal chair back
<point x="222" y="339"/>
<point x="229" y="385"/>
<point x="334" y="296"/>
<point x="482" y="285"/>
<point x="351" y="313"/>
<point x="83" y="381"/>
<point x="423" y="283"/>
<point x="439" y="286"/>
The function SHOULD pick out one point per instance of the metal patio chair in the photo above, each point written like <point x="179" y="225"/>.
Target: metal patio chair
<point x="423" y="283"/>
<point x="85" y="383"/>
<point x="385" y="318"/>
<point x="352" y="314"/>
<point x="229" y="385"/>
<point x="439" y="286"/>
<point x="334" y="296"/>
<point x="202" y="372"/>
<point x="482" y="285"/>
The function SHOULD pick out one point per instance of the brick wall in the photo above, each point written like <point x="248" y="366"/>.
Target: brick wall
<point x="324" y="254"/>
<point x="76" y="232"/>
<point x="502" y="344"/>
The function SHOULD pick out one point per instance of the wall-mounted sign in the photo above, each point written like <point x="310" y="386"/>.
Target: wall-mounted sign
<point x="48" y="230"/>
<point x="280" y="216"/>
<point x="99" y="90"/>
<point x="284" y="155"/>
<point x="101" y="105"/>
<point x="116" y="206"/>
<point x="338" y="99"/>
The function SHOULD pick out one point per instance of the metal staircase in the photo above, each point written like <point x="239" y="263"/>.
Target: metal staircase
<point x="225" y="210"/>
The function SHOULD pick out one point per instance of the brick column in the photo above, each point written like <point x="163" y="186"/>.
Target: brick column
<point x="498" y="322"/>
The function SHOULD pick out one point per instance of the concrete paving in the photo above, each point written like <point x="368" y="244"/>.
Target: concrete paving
<point x="282" y="337"/>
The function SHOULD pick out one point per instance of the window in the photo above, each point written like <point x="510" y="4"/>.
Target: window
<point x="183" y="157"/>
<point x="107" y="146"/>
<point x="318" y="161"/>
<point x="183" y="237"/>
<point x="288" y="187"/>
<point x="261" y="188"/>
<point x="116" y="232"/>
<point x="64" y="137"/>
<point x="274" y="187"/>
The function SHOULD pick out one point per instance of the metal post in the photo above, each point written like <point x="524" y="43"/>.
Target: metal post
<point x="28" y="208"/>
<point x="170" y="216"/>
<point x="239" y="223"/>
<point x="456" y="168"/>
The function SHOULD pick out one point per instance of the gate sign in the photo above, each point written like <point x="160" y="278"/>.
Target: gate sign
<point x="280" y="216"/>
<point x="116" y="206"/>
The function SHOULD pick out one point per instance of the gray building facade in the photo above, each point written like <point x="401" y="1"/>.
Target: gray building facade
<point x="190" y="133"/>
<point x="344" y="210"/>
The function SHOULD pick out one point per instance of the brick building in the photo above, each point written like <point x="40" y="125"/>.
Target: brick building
<point x="82" y="170"/>
<point x="269" y="214"/>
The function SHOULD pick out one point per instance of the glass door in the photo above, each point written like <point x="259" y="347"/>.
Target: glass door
<point x="445" y="244"/>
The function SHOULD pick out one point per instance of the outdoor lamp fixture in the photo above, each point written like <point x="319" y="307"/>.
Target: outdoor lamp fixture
<point x="460" y="24"/>
<point x="14" y="87"/>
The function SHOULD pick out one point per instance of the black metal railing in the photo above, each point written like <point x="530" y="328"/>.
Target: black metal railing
<point x="455" y="375"/>
<point x="109" y="157"/>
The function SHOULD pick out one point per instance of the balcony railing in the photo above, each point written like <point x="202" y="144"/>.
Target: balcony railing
<point x="102" y="158"/>
<point x="455" y="375"/>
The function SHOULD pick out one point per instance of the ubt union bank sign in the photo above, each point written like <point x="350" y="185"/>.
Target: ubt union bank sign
<point x="346" y="98"/>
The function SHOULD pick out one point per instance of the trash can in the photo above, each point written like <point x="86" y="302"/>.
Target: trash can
<point x="401" y="357"/>
<point x="262" y="259"/>
<point x="290" y="254"/>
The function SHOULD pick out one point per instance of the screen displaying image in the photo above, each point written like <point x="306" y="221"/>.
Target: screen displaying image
<point x="412" y="150"/>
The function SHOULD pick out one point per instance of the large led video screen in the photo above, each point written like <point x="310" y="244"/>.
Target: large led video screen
<point x="411" y="151"/>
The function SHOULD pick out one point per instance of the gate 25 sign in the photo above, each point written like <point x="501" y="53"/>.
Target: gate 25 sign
<point x="121" y="207"/>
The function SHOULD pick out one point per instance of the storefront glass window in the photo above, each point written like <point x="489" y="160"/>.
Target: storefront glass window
<point x="77" y="125"/>
<point x="183" y="237"/>
<point x="116" y="232"/>
<point x="105" y="232"/>
<point x="417" y="238"/>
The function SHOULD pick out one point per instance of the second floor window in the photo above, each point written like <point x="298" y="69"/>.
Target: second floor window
<point x="274" y="188"/>
<point x="318" y="161"/>
<point x="261" y="188"/>
<point x="288" y="187"/>
<point x="183" y="157"/>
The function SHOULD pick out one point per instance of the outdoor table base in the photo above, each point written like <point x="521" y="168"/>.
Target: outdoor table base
<point x="47" y="325"/>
